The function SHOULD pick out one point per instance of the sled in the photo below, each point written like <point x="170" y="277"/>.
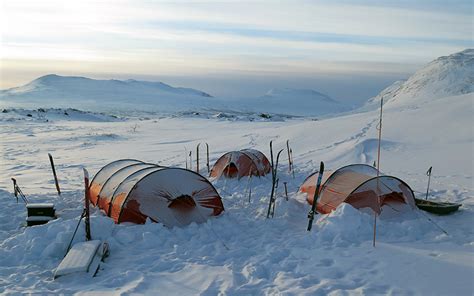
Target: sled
<point x="83" y="257"/>
<point x="439" y="208"/>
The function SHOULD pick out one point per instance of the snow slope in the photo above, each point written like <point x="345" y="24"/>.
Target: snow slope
<point x="446" y="76"/>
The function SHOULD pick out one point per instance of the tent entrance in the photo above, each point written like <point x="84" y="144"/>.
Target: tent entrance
<point x="183" y="204"/>
<point x="231" y="171"/>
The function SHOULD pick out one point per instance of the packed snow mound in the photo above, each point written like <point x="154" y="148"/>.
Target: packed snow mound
<point x="446" y="76"/>
<point x="297" y="102"/>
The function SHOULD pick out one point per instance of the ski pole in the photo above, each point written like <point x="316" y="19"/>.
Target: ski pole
<point x="292" y="163"/>
<point x="274" y="200"/>
<point x="186" y="156"/>
<point x="197" y="158"/>
<point x="286" y="191"/>
<point x="14" y="189"/>
<point x="289" y="156"/>
<point x="428" y="173"/>
<point x="207" y="162"/>
<point x="86" y="205"/>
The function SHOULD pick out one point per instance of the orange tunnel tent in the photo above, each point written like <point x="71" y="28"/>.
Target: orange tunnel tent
<point x="131" y="191"/>
<point x="237" y="164"/>
<point x="359" y="186"/>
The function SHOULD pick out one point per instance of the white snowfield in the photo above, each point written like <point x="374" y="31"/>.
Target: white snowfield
<point x="241" y="252"/>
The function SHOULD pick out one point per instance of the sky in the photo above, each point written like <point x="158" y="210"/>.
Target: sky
<point x="349" y="50"/>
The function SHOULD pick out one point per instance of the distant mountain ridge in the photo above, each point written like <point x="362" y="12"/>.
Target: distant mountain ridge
<point x="63" y="84"/>
<point x="123" y="95"/>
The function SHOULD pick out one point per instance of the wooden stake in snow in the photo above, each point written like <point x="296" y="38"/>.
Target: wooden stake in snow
<point x="86" y="205"/>
<point x="54" y="173"/>
<point x="428" y="173"/>
<point x="378" y="165"/>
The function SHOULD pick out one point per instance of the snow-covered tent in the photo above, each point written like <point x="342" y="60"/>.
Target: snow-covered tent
<point x="129" y="190"/>
<point x="359" y="186"/>
<point x="236" y="164"/>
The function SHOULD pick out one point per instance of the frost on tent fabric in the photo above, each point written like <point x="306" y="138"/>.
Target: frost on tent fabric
<point x="132" y="191"/>
<point x="237" y="164"/>
<point x="359" y="186"/>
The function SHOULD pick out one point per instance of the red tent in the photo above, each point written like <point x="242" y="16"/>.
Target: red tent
<point x="131" y="191"/>
<point x="359" y="186"/>
<point x="237" y="164"/>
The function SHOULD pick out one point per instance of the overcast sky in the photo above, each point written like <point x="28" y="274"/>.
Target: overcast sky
<point x="347" y="49"/>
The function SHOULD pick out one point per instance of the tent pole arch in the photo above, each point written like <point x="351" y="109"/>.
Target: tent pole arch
<point x="330" y="177"/>
<point x="115" y="173"/>
<point x="118" y="186"/>
<point x="104" y="167"/>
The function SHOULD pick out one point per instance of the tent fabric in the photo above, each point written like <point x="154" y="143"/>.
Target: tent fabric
<point x="104" y="173"/>
<point x="134" y="191"/>
<point x="359" y="186"/>
<point x="237" y="164"/>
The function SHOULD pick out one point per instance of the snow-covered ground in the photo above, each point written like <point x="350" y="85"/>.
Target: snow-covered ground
<point x="241" y="252"/>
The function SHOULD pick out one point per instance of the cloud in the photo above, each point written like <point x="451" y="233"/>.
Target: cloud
<point x="229" y="37"/>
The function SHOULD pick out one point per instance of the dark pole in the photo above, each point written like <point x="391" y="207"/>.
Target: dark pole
<point x="86" y="205"/>
<point x="292" y="164"/>
<point x="286" y="190"/>
<point x="289" y="156"/>
<point x="186" y="156"/>
<point x="54" y="173"/>
<point x="197" y="158"/>
<point x="15" y="192"/>
<point x="207" y="163"/>
<point x="429" y="179"/>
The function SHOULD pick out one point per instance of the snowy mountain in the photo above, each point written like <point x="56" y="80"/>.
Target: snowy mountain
<point x="446" y="76"/>
<point x="299" y="102"/>
<point x="54" y="91"/>
<point x="85" y="93"/>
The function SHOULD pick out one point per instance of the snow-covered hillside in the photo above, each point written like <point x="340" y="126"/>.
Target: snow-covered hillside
<point x="302" y="102"/>
<point x="55" y="91"/>
<point x="446" y="76"/>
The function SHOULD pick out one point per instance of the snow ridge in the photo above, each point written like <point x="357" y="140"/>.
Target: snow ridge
<point x="445" y="76"/>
